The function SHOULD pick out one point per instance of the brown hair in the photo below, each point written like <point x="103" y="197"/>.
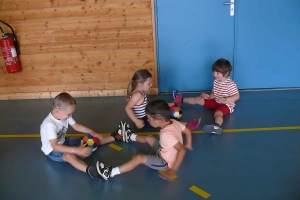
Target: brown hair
<point x="139" y="76"/>
<point x="223" y="66"/>
<point x="63" y="100"/>
<point x="159" y="109"/>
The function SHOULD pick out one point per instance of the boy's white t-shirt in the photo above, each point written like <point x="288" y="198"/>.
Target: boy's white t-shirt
<point x="52" y="128"/>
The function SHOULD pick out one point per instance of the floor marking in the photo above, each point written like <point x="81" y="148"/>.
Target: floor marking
<point x="280" y="128"/>
<point x="200" y="192"/>
<point x="172" y="177"/>
<point x="116" y="147"/>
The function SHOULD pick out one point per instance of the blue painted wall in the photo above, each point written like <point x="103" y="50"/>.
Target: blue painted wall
<point x="264" y="51"/>
<point x="267" y="44"/>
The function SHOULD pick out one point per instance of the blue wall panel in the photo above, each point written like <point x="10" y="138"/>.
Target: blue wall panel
<point x="267" y="44"/>
<point x="191" y="36"/>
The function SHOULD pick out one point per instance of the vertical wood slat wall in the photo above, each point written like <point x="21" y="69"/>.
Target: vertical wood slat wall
<point x="84" y="47"/>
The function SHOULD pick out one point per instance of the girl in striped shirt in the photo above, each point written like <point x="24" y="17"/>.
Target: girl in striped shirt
<point x="221" y="99"/>
<point x="140" y="83"/>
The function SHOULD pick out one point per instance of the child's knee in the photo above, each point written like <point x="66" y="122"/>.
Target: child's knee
<point x="68" y="156"/>
<point x="140" y="158"/>
<point x="218" y="113"/>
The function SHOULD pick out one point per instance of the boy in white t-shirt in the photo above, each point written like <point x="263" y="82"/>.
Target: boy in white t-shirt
<point x="169" y="151"/>
<point x="56" y="146"/>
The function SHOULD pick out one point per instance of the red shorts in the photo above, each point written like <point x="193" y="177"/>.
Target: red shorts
<point x="212" y="104"/>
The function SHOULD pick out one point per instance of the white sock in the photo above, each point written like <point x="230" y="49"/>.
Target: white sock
<point x="115" y="171"/>
<point x="133" y="137"/>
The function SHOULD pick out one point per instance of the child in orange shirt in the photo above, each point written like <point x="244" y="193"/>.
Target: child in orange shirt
<point x="169" y="149"/>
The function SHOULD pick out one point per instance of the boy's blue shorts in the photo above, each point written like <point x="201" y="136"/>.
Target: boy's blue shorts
<point x="59" y="156"/>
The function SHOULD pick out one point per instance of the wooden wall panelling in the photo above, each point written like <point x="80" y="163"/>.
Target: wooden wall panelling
<point x="87" y="48"/>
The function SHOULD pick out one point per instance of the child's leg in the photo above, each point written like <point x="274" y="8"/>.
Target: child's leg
<point x="75" y="162"/>
<point x="218" y="117"/>
<point x="220" y="112"/>
<point x="194" y="100"/>
<point x="133" y="163"/>
<point x="105" y="140"/>
<point x="146" y="139"/>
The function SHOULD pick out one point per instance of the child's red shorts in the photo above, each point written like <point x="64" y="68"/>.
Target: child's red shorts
<point x="212" y="104"/>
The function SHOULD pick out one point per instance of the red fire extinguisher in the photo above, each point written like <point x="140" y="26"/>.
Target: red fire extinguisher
<point x="10" y="49"/>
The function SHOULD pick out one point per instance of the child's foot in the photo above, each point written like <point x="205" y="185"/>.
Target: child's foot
<point x="178" y="99"/>
<point x="213" y="128"/>
<point x="127" y="132"/>
<point x="175" y="93"/>
<point x="104" y="170"/>
<point x="92" y="172"/>
<point x="193" y="124"/>
<point x="118" y="134"/>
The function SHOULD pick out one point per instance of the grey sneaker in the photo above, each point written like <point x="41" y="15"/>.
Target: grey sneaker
<point x="104" y="170"/>
<point x="213" y="128"/>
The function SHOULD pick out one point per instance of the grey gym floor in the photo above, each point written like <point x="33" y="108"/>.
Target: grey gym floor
<point x="257" y="157"/>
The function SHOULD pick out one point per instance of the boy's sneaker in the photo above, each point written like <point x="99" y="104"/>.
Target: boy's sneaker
<point x="118" y="134"/>
<point x="127" y="132"/>
<point x="213" y="128"/>
<point x="92" y="172"/>
<point x="175" y="93"/>
<point x="104" y="170"/>
<point x="193" y="124"/>
<point x="178" y="99"/>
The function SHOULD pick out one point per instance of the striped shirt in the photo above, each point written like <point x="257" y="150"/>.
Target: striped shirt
<point x="139" y="110"/>
<point x="225" y="89"/>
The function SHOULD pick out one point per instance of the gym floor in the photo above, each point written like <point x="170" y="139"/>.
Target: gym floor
<point x="257" y="156"/>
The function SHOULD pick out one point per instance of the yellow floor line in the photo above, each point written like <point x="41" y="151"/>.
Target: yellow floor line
<point x="116" y="147"/>
<point x="200" y="192"/>
<point x="280" y="128"/>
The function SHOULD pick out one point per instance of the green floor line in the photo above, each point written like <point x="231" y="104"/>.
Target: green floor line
<point x="280" y="128"/>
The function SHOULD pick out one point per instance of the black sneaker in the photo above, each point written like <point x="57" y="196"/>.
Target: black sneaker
<point x="118" y="134"/>
<point x="92" y="172"/>
<point x="213" y="128"/>
<point x="104" y="170"/>
<point x="127" y="132"/>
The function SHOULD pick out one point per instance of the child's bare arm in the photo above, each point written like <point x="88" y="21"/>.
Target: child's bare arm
<point x="81" y="151"/>
<point x="232" y="98"/>
<point x="133" y="101"/>
<point x="188" y="136"/>
<point x="82" y="129"/>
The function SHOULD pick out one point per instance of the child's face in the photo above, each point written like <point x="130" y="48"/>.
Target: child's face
<point x="147" y="84"/>
<point x="219" y="76"/>
<point x="154" y="122"/>
<point x="63" y="114"/>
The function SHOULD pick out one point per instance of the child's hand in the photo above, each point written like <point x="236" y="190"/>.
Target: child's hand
<point x="205" y="96"/>
<point x="94" y="134"/>
<point x="140" y="124"/>
<point x="223" y="100"/>
<point x="83" y="151"/>
<point x="168" y="175"/>
<point x="188" y="146"/>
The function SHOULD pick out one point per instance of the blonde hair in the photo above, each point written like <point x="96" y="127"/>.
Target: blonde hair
<point x="139" y="76"/>
<point x="63" y="100"/>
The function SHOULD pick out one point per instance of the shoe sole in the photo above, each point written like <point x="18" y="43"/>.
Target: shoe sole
<point x="211" y="129"/>
<point x="123" y="132"/>
<point x="97" y="166"/>
<point x="174" y="96"/>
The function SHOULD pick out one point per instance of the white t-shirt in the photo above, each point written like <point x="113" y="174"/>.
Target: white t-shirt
<point x="52" y="128"/>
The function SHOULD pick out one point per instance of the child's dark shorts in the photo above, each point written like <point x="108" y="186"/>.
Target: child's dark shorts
<point x="213" y="105"/>
<point x="146" y="122"/>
